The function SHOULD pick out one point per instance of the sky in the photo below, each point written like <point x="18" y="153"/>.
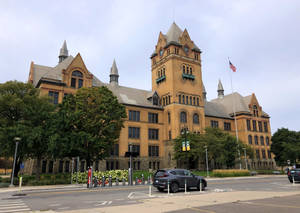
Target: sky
<point x="261" y="37"/>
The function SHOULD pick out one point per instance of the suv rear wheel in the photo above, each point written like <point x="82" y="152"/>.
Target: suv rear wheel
<point x="174" y="187"/>
<point x="202" y="186"/>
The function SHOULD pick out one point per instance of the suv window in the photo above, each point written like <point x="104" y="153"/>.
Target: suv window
<point x="187" y="173"/>
<point x="180" y="172"/>
<point x="173" y="173"/>
<point x="160" y="173"/>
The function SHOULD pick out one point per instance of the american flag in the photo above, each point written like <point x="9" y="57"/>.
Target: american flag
<point x="232" y="66"/>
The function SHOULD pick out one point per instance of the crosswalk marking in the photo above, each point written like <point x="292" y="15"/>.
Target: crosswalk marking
<point x="7" y="206"/>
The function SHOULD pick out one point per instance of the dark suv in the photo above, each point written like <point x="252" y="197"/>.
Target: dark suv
<point x="177" y="179"/>
<point x="294" y="173"/>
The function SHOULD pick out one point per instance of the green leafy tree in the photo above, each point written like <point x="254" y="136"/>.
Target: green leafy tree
<point x="285" y="146"/>
<point x="87" y="124"/>
<point x="222" y="147"/>
<point x="25" y="114"/>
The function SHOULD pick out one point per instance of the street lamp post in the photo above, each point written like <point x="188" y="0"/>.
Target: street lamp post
<point x="207" y="172"/>
<point x="130" y="166"/>
<point x="17" y="140"/>
<point x="246" y="164"/>
<point x="184" y="132"/>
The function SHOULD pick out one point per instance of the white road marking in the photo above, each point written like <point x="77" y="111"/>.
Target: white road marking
<point x="63" y="208"/>
<point x="11" y="204"/>
<point x="14" y="210"/>
<point x="101" y="204"/>
<point x="55" y="204"/>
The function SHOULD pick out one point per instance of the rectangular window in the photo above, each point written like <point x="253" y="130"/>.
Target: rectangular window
<point x="50" y="168"/>
<point x="44" y="166"/>
<point x="214" y="124"/>
<point x="170" y="135"/>
<point x="197" y="101"/>
<point x="260" y="126"/>
<point x="135" y="148"/>
<point x="254" y="125"/>
<point x="248" y="125"/>
<point x="187" y="99"/>
<point x="80" y="83"/>
<point x="180" y="99"/>
<point x="73" y="82"/>
<point x="263" y="152"/>
<point x="194" y="101"/>
<point x="266" y="126"/>
<point x="269" y="154"/>
<point x="53" y="97"/>
<point x="153" y="134"/>
<point x="67" y="166"/>
<point x="257" y="154"/>
<point x="169" y="117"/>
<point x="115" y="150"/>
<point x="152" y="117"/>
<point x="134" y="115"/>
<point x="61" y="165"/>
<point x="153" y="151"/>
<point x="227" y="126"/>
<point x="133" y="132"/>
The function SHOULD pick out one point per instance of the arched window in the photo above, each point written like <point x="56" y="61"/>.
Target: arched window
<point x="196" y="118"/>
<point x="190" y="100"/>
<point x="155" y="100"/>
<point x="249" y="139"/>
<point x="183" y="99"/>
<point x="267" y="141"/>
<point x="183" y="117"/>
<point x="183" y="69"/>
<point x="191" y="71"/>
<point x="262" y="140"/>
<point x="256" y="140"/>
<point x="187" y="99"/>
<point x="164" y="71"/>
<point x="77" y="79"/>
<point x="180" y="99"/>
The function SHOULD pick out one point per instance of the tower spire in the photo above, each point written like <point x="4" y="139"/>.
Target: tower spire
<point x="63" y="53"/>
<point x="114" y="75"/>
<point x="203" y="92"/>
<point x="220" y="90"/>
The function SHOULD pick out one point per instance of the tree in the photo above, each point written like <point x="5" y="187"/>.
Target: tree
<point x="88" y="124"/>
<point x="25" y="114"/>
<point x="222" y="147"/>
<point x="285" y="146"/>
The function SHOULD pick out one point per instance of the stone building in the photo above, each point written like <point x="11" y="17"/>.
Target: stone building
<point x="177" y="101"/>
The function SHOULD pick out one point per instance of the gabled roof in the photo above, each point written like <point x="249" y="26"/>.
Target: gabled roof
<point x="53" y="73"/>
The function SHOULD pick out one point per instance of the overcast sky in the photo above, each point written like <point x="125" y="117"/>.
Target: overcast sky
<point x="261" y="37"/>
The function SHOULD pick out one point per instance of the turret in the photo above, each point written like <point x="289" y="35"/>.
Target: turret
<point x="114" y="75"/>
<point x="63" y="53"/>
<point x="220" y="90"/>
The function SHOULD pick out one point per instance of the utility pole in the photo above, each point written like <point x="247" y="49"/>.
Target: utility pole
<point x="207" y="172"/>
<point x="17" y="140"/>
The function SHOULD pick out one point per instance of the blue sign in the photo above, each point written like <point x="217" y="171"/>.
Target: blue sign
<point x="22" y="166"/>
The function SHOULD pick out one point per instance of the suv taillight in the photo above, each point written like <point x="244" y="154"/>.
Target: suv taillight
<point x="165" y="175"/>
<point x="289" y="173"/>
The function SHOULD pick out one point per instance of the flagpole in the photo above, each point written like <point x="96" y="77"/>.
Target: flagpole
<point x="235" y="122"/>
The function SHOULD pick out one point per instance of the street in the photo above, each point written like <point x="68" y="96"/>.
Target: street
<point x="81" y="198"/>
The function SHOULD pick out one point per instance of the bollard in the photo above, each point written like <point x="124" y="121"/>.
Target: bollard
<point x="117" y="181"/>
<point x="123" y="181"/>
<point x="149" y="180"/>
<point x="103" y="181"/>
<point x="150" y="193"/>
<point x="293" y="180"/>
<point x="168" y="187"/>
<point x="136" y="181"/>
<point x="110" y="181"/>
<point x="20" y="183"/>
<point x="143" y="179"/>
<point x="185" y="187"/>
<point x="95" y="182"/>
<point x="200" y="187"/>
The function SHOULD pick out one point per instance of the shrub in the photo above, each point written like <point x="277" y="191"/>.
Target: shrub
<point x="230" y="173"/>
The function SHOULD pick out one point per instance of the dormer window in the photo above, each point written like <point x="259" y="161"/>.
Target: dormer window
<point x="155" y="100"/>
<point x="255" y="111"/>
<point x="161" y="52"/>
<point x="186" y="49"/>
<point x="77" y="79"/>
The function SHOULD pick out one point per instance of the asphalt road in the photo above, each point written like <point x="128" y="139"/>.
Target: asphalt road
<point x="72" y="199"/>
